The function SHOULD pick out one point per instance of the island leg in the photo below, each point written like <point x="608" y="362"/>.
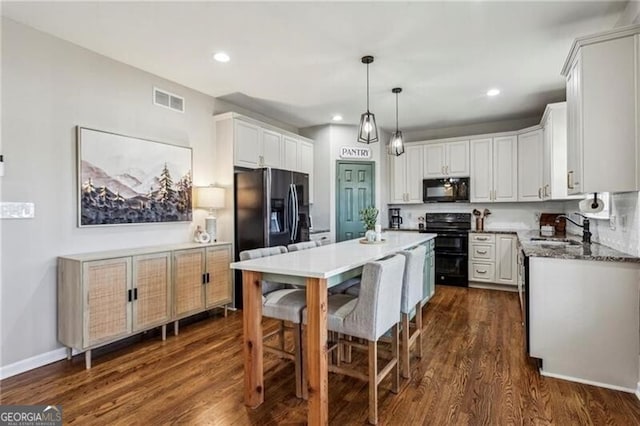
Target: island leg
<point x="252" y="338"/>
<point x="316" y="353"/>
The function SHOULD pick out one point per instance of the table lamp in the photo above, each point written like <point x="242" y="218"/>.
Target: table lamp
<point x="212" y="198"/>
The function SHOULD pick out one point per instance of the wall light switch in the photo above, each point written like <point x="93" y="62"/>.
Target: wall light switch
<point x="17" y="210"/>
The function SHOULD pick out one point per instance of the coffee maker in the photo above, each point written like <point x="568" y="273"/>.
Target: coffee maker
<point x="395" y="220"/>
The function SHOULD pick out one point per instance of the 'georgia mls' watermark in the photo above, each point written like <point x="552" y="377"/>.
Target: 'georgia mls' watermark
<point x="30" y="415"/>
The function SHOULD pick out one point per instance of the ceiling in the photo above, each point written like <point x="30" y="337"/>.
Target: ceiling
<point x="300" y="62"/>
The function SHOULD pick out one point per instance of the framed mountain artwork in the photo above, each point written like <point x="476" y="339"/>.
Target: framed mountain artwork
<point x="127" y="180"/>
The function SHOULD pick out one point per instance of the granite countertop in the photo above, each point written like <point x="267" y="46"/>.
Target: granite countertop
<point x="593" y="251"/>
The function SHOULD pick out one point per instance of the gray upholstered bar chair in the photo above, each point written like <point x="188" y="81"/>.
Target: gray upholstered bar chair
<point x="284" y="304"/>
<point x="305" y="245"/>
<point x="412" y="289"/>
<point x="369" y="316"/>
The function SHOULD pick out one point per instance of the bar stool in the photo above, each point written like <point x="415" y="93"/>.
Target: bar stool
<point x="412" y="289"/>
<point x="305" y="245"/>
<point x="369" y="317"/>
<point x="284" y="304"/>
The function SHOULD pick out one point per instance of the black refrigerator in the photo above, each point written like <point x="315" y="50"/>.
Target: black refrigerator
<point x="271" y="209"/>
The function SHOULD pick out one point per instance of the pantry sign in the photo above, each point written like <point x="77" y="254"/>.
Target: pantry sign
<point x="355" y="153"/>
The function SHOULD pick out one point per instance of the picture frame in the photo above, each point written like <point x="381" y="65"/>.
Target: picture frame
<point x="126" y="180"/>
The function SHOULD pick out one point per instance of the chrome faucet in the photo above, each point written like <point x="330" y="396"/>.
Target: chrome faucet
<point x="586" y="233"/>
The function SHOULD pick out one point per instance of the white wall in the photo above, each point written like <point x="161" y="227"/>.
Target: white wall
<point x="328" y="141"/>
<point x="625" y="217"/>
<point x="472" y="129"/>
<point x="49" y="87"/>
<point x="630" y="15"/>
<point x="503" y="215"/>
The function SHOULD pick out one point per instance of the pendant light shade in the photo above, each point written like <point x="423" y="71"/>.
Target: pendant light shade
<point x="396" y="143"/>
<point x="368" y="131"/>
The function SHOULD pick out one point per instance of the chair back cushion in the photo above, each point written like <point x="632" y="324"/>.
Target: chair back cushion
<point x="412" y="285"/>
<point x="305" y="245"/>
<point x="267" y="286"/>
<point x="378" y="306"/>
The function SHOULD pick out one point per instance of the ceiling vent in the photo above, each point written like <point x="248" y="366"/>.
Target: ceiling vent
<point x="168" y="100"/>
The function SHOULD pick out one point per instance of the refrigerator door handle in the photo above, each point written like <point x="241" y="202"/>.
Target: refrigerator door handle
<point x="290" y="204"/>
<point x="296" y="215"/>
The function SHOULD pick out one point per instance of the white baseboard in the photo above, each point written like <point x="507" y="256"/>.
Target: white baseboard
<point x="590" y="382"/>
<point x="33" y="362"/>
<point x="491" y="286"/>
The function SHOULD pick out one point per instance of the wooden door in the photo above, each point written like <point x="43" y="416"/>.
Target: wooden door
<point x="271" y="149"/>
<point x="107" y="309"/>
<point x="457" y="163"/>
<point x="434" y="161"/>
<point x="151" y="283"/>
<point x="505" y="169"/>
<point x="481" y="170"/>
<point x="530" y="157"/>
<point x="188" y="271"/>
<point x="414" y="173"/>
<point x="246" y="144"/>
<point x="355" y="191"/>
<point x="218" y="287"/>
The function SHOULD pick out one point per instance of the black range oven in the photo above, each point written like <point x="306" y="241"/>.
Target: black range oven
<point x="451" y="246"/>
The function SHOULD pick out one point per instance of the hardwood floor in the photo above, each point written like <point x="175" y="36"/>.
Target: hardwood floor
<point x="474" y="373"/>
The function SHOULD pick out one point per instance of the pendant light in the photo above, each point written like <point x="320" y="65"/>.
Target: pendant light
<point x="368" y="131"/>
<point x="396" y="143"/>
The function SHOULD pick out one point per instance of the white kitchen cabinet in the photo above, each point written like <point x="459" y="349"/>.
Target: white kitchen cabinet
<point x="290" y="154"/>
<point x="493" y="259"/>
<point x="271" y="148"/>
<point x="448" y="159"/>
<point x="506" y="259"/>
<point x="530" y="165"/>
<point x="554" y="166"/>
<point x="603" y="109"/>
<point x="406" y="176"/>
<point x="246" y="144"/>
<point x="305" y="163"/>
<point x="494" y="166"/>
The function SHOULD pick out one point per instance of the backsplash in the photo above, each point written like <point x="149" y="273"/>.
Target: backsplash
<point x="625" y="221"/>
<point x="503" y="215"/>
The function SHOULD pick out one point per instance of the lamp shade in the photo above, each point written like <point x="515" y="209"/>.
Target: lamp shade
<point x="210" y="197"/>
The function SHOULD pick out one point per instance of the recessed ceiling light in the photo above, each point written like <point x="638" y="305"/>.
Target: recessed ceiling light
<point x="221" y="57"/>
<point x="337" y="117"/>
<point x="493" y="92"/>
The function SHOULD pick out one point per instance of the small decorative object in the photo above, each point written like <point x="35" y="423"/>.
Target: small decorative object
<point x="200" y="235"/>
<point x="369" y="216"/>
<point x="480" y="218"/>
<point x="378" y="232"/>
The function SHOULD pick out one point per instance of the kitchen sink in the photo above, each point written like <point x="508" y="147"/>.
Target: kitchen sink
<point x="555" y="241"/>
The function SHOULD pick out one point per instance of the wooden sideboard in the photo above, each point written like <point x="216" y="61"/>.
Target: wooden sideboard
<point x="106" y="296"/>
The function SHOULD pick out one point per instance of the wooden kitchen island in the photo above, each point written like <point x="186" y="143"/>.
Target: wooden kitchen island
<point x="317" y="269"/>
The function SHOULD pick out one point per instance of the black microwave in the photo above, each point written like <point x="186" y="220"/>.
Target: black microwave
<point x="447" y="190"/>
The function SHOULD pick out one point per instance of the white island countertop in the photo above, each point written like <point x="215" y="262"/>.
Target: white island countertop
<point x="333" y="259"/>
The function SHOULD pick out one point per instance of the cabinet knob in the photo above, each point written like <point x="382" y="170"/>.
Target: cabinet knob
<point x="540" y="193"/>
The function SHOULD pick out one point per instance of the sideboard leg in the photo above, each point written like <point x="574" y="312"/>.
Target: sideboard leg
<point x="69" y="353"/>
<point x="87" y="359"/>
<point x="164" y="332"/>
<point x="175" y="328"/>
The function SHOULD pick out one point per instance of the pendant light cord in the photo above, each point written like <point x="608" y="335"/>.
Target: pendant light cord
<point x="367" y="87"/>
<point x="396" y="112"/>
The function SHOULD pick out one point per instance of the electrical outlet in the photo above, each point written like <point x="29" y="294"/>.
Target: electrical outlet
<point x="612" y="222"/>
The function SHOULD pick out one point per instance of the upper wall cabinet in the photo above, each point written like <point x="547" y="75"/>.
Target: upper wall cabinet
<point x="406" y="176"/>
<point x="530" y="165"/>
<point x="554" y="152"/>
<point x="449" y="159"/>
<point x="603" y="109"/>
<point x="257" y="144"/>
<point x="494" y="169"/>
